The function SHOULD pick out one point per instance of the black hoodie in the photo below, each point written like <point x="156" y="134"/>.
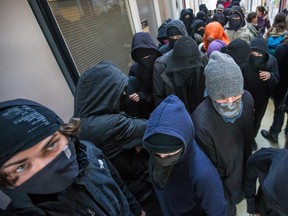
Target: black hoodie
<point x="140" y="79"/>
<point x="97" y="104"/>
<point x="259" y="89"/>
<point x="187" y="21"/>
<point x="186" y="71"/>
<point x="181" y="27"/>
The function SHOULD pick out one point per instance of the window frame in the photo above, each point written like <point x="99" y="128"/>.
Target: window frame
<point x="56" y="42"/>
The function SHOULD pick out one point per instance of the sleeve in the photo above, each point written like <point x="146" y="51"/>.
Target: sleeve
<point x="129" y="131"/>
<point x="273" y="81"/>
<point x="207" y="145"/>
<point x="158" y="84"/>
<point x="279" y="54"/>
<point x="135" y="207"/>
<point x="145" y="97"/>
<point x="257" y="166"/>
<point x="9" y="211"/>
<point x="209" y="189"/>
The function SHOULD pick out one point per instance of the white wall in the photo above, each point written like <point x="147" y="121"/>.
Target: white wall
<point x="28" y="68"/>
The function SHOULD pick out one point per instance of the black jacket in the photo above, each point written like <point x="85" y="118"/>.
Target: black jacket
<point x="98" y="190"/>
<point x="270" y="167"/>
<point x="185" y="70"/>
<point x="228" y="145"/>
<point x="259" y="89"/>
<point x="282" y="61"/>
<point x="97" y="103"/>
<point x="140" y="77"/>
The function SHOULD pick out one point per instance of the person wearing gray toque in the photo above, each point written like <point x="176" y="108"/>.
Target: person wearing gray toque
<point x="224" y="124"/>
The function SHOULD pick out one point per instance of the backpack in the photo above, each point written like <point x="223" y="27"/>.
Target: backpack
<point x="274" y="42"/>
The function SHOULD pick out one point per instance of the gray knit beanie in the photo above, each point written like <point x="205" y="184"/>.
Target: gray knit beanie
<point x="223" y="77"/>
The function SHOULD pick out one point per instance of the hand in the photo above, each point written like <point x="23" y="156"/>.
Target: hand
<point x="143" y="213"/>
<point x="134" y="97"/>
<point x="138" y="149"/>
<point x="264" y="75"/>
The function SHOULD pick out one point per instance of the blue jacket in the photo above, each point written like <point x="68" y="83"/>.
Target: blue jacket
<point x="194" y="186"/>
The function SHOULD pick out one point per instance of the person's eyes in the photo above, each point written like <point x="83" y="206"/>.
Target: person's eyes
<point x="52" y="146"/>
<point x="21" y="168"/>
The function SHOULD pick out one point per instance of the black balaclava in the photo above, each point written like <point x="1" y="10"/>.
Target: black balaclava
<point x="172" y="31"/>
<point x="187" y="17"/>
<point x="235" y="21"/>
<point x="258" y="60"/>
<point x="161" y="168"/>
<point x="201" y="15"/>
<point x="148" y="62"/>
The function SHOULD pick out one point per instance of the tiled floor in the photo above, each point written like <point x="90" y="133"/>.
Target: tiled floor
<point x="262" y="142"/>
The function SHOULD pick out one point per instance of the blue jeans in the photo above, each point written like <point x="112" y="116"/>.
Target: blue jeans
<point x="278" y="119"/>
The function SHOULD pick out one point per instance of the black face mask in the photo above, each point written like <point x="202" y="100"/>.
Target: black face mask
<point x="172" y="42"/>
<point x="258" y="60"/>
<point x="148" y="63"/>
<point x="168" y="160"/>
<point x="235" y="24"/>
<point x="55" y="176"/>
<point x="201" y="32"/>
<point x="161" y="168"/>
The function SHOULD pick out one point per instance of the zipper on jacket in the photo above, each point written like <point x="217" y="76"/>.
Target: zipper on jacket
<point x="90" y="212"/>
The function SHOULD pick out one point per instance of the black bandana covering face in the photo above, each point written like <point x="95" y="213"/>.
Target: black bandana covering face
<point x="228" y="110"/>
<point x="55" y="176"/>
<point x="258" y="60"/>
<point x="162" y="168"/>
<point x="148" y="62"/>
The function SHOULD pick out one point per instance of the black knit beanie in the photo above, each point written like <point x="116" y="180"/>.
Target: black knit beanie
<point x="162" y="143"/>
<point x="24" y="123"/>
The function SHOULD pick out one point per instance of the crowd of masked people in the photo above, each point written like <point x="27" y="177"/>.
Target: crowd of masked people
<point x="173" y="137"/>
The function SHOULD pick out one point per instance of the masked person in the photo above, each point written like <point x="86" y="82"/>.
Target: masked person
<point x="197" y="32"/>
<point x="185" y="181"/>
<point x="270" y="167"/>
<point x="99" y="94"/>
<point x="260" y="78"/>
<point x="181" y="72"/>
<point x="175" y="30"/>
<point x="46" y="170"/>
<point x="236" y="26"/>
<point x="223" y="124"/>
<point x="213" y="31"/>
<point x="144" y="53"/>
<point x="203" y="8"/>
<point x="187" y="17"/>
<point x="239" y="50"/>
<point x="162" y="33"/>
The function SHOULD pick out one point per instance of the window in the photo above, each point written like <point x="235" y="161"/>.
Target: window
<point x="86" y="32"/>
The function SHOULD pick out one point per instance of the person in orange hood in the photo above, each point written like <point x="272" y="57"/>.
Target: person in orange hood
<point x="214" y="30"/>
